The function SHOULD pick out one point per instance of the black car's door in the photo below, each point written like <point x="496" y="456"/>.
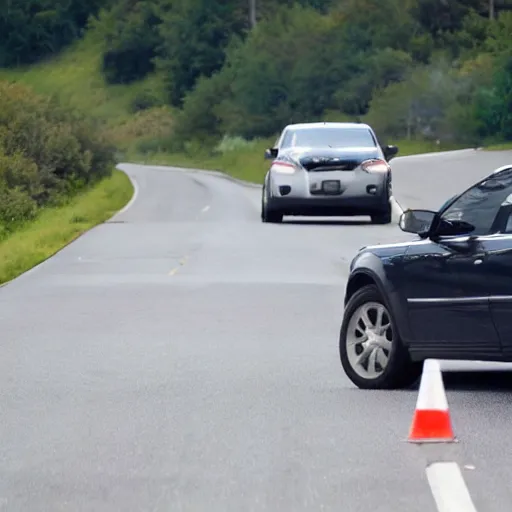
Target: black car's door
<point x="448" y="298"/>
<point x="498" y="275"/>
<point x="452" y="284"/>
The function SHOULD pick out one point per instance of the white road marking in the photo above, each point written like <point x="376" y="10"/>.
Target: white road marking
<point x="395" y="207"/>
<point x="134" y="196"/>
<point x="448" y="488"/>
<point x="205" y="209"/>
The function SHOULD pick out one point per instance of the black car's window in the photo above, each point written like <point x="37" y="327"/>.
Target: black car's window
<point x="503" y="221"/>
<point x="481" y="204"/>
<point x="329" y="137"/>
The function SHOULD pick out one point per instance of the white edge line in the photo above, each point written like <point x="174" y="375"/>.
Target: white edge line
<point x="448" y="488"/>
<point x="134" y="196"/>
<point x="395" y="207"/>
<point x="205" y="209"/>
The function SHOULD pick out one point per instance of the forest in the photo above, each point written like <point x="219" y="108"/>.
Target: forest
<point x="432" y="70"/>
<point x="413" y="68"/>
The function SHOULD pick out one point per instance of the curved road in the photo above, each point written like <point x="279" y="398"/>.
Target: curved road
<point x="183" y="357"/>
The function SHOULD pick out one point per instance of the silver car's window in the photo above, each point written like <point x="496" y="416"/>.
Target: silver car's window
<point x="328" y="137"/>
<point x="287" y="139"/>
<point x="481" y="204"/>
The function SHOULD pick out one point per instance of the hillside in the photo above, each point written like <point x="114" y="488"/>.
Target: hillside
<point x="426" y="77"/>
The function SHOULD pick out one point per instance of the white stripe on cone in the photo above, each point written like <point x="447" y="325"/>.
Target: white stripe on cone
<point x="432" y="395"/>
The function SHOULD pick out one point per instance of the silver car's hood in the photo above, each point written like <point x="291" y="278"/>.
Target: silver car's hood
<point x="311" y="158"/>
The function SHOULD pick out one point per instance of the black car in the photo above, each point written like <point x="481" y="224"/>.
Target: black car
<point x="328" y="169"/>
<point x="446" y="294"/>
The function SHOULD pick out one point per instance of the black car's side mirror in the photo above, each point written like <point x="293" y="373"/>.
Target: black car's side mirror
<point x="270" y="153"/>
<point x="421" y="222"/>
<point x="418" y="222"/>
<point x="390" y="152"/>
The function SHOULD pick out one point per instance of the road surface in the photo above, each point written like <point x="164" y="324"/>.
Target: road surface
<point x="183" y="357"/>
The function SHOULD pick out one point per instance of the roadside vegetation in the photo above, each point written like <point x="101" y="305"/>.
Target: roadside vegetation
<point x="207" y="83"/>
<point x="55" y="177"/>
<point x="55" y="227"/>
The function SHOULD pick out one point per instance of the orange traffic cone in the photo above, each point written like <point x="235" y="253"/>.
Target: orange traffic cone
<point x="431" y="422"/>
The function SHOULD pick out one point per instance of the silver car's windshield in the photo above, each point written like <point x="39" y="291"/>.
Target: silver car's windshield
<point x="328" y="137"/>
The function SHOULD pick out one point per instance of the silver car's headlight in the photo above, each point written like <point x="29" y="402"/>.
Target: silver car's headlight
<point x="375" y="166"/>
<point x="283" y="167"/>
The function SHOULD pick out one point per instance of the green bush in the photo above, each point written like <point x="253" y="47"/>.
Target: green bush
<point x="47" y="153"/>
<point x="16" y="207"/>
<point x="145" y="100"/>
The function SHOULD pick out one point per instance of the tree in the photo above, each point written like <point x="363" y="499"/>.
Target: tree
<point x="130" y="31"/>
<point x="32" y="29"/>
<point x="252" y="13"/>
<point x="187" y="53"/>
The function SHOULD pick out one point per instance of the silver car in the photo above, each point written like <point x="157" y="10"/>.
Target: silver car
<point x="328" y="169"/>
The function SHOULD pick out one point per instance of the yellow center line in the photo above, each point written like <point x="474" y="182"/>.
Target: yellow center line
<point x="181" y="263"/>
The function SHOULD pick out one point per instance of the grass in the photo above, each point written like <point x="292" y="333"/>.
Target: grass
<point x="57" y="227"/>
<point x="506" y="146"/>
<point x="247" y="163"/>
<point x="75" y="76"/>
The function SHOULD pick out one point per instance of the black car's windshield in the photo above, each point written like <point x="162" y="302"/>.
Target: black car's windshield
<point x="329" y="137"/>
<point x="481" y="204"/>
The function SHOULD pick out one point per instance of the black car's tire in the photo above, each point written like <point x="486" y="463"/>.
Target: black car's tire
<point x="267" y="215"/>
<point x="400" y="371"/>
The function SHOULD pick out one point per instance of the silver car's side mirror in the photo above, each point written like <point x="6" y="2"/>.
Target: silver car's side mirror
<point x="270" y="153"/>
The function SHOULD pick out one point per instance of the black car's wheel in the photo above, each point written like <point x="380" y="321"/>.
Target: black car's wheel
<point x="371" y="351"/>
<point x="269" y="215"/>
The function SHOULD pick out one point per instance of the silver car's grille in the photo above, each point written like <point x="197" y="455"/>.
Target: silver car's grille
<point x="346" y="165"/>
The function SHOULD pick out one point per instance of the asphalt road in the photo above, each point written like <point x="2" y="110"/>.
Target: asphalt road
<point x="183" y="357"/>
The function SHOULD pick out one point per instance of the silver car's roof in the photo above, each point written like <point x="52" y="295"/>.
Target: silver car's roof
<point x="301" y="126"/>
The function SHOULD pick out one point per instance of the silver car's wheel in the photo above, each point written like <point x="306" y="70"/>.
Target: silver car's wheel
<point x="369" y="340"/>
<point x="273" y="216"/>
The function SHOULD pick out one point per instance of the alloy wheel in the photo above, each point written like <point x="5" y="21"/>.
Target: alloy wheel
<point x="369" y="340"/>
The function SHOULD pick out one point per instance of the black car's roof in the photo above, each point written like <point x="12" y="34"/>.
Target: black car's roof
<point x="499" y="170"/>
